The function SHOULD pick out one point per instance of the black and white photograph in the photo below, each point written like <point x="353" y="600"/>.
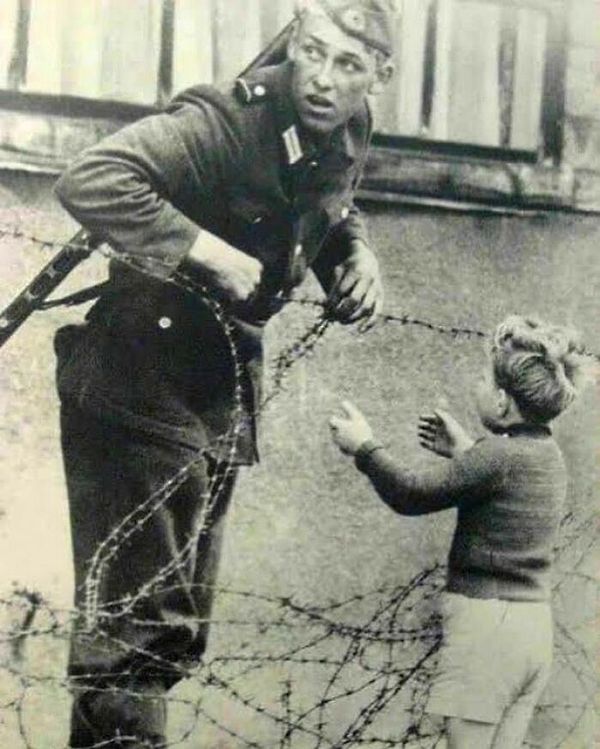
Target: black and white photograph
<point x="299" y="370"/>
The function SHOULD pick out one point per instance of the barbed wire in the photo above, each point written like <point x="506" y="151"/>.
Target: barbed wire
<point x="213" y="673"/>
<point x="135" y="521"/>
<point x="454" y="331"/>
<point x="191" y="285"/>
<point x="379" y="657"/>
<point x="386" y="657"/>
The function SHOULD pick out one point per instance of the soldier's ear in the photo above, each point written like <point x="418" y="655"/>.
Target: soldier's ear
<point x="383" y="74"/>
<point x="503" y="403"/>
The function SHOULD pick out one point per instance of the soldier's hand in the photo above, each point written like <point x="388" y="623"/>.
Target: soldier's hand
<point x="358" y="291"/>
<point x="234" y="273"/>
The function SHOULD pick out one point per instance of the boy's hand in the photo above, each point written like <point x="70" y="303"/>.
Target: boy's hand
<point x="350" y="431"/>
<point x="442" y="434"/>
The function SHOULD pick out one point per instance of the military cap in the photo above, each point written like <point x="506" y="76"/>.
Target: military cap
<point x="371" y="21"/>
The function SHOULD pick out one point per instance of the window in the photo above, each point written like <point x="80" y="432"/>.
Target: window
<point x="72" y="72"/>
<point x="135" y="51"/>
<point x="481" y="73"/>
<point x="475" y="77"/>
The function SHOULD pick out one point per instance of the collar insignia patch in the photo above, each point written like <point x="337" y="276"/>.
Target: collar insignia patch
<point x="292" y="145"/>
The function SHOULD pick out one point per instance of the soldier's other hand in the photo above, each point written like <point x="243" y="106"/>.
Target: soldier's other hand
<point x="234" y="273"/>
<point x="357" y="293"/>
<point x="351" y="430"/>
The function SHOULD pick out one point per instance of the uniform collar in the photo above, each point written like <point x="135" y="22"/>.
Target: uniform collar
<point x="528" y="430"/>
<point x="298" y="147"/>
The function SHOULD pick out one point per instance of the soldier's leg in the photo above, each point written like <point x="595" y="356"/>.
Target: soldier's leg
<point x="132" y="716"/>
<point x="172" y="547"/>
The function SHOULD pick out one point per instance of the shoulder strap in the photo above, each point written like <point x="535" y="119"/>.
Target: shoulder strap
<point x="79" y="297"/>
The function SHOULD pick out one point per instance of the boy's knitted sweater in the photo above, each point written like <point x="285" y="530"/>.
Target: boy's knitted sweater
<point x="509" y="490"/>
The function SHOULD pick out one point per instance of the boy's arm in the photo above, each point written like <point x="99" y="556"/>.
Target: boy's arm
<point x="465" y="479"/>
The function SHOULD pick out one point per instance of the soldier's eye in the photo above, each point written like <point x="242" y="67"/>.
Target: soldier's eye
<point x="312" y="52"/>
<point x="351" y="66"/>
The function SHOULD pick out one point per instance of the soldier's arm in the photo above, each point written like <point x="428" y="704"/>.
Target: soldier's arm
<point x="347" y="236"/>
<point x="347" y="267"/>
<point x="348" y="271"/>
<point x="129" y="190"/>
<point x="123" y="190"/>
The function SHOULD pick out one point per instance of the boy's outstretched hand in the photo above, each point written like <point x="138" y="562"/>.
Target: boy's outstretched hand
<point x="350" y="431"/>
<point x="442" y="434"/>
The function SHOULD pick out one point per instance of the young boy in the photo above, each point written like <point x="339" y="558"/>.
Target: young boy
<point x="509" y="488"/>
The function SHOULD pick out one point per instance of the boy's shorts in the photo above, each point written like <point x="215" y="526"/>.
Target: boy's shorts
<point x="494" y="653"/>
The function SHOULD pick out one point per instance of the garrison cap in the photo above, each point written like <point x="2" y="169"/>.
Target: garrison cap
<point x="371" y="21"/>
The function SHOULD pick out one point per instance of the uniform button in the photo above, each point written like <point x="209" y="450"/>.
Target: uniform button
<point x="345" y="212"/>
<point x="257" y="220"/>
<point x="314" y="164"/>
<point x="165" y="323"/>
<point x="298" y="250"/>
<point x="259" y="90"/>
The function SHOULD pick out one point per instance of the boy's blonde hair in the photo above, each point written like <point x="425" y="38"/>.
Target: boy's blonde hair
<point x="541" y="366"/>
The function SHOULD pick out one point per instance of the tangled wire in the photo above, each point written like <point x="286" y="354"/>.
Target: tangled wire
<point x="369" y="655"/>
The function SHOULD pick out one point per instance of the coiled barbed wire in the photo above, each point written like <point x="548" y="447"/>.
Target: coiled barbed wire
<point x="386" y="628"/>
<point x="454" y="331"/>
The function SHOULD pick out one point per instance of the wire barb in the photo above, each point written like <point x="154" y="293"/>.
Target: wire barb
<point x="364" y="657"/>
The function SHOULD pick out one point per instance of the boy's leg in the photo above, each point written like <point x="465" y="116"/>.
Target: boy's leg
<point x="494" y="663"/>
<point x="533" y="623"/>
<point x="512" y="729"/>
<point x="466" y="690"/>
<point x="468" y="734"/>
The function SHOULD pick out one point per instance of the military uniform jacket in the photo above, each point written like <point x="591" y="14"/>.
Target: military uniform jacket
<point x="232" y="160"/>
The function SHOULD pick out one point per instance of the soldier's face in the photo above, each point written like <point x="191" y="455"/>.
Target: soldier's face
<point x="332" y="73"/>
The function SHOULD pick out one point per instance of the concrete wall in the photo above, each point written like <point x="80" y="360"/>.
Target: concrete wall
<point x="309" y="523"/>
<point x="304" y="524"/>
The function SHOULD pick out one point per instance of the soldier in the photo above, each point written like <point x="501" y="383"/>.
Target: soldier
<point x="241" y="187"/>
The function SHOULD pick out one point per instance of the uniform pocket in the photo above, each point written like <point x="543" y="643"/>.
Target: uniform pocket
<point x="248" y="210"/>
<point x="65" y="339"/>
<point x="338" y="208"/>
<point x="73" y="359"/>
<point x="450" y="605"/>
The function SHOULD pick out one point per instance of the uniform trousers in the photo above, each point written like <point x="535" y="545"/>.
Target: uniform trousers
<point x="146" y="565"/>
